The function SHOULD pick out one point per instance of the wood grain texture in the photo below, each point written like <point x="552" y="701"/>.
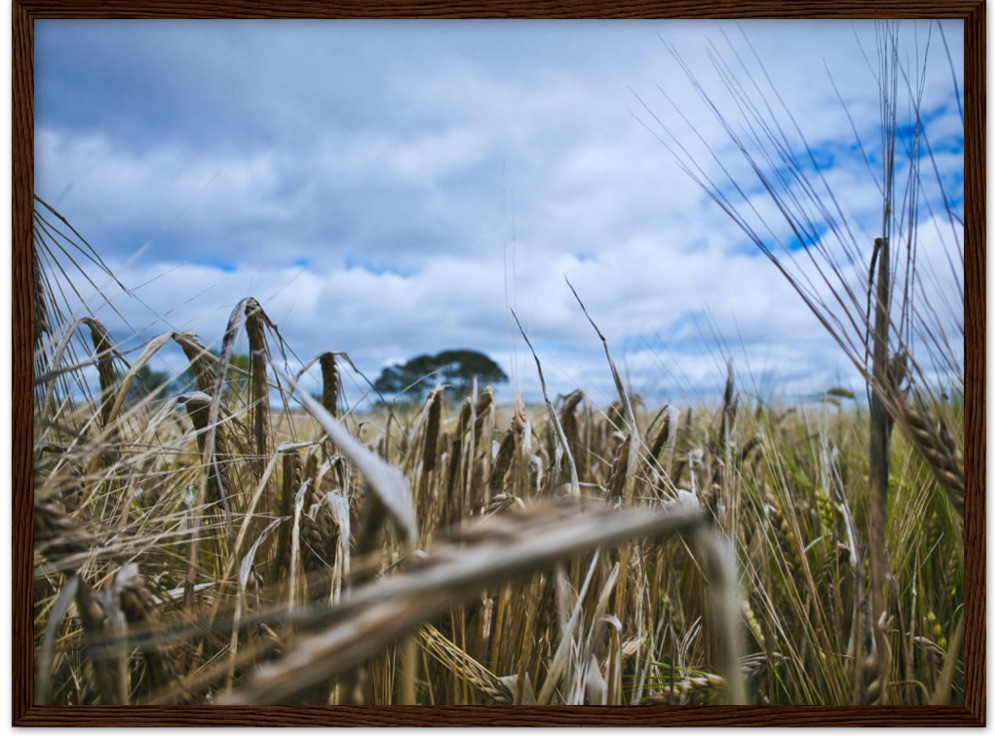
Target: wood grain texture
<point x="22" y="368"/>
<point x="24" y="713"/>
<point x="502" y="716"/>
<point x="495" y="9"/>
<point x="974" y="362"/>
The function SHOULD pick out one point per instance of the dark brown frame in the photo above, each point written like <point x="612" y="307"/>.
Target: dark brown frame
<point x="25" y="713"/>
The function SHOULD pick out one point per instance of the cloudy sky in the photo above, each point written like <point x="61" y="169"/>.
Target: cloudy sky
<point x="395" y="188"/>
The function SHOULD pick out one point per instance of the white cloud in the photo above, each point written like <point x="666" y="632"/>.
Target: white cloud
<point x="406" y="206"/>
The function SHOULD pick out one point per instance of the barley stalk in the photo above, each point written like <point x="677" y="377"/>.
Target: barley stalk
<point x="934" y="442"/>
<point x="496" y="552"/>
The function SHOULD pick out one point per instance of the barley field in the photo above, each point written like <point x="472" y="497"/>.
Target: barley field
<point x="213" y="548"/>
<point x="246" y="542"/>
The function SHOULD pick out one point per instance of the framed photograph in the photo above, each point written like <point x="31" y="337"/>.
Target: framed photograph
<point x="498" y="364"/>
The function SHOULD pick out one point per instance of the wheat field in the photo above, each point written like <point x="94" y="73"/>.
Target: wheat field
<point x="215" y="549"/>
<point x="247" y="543"/>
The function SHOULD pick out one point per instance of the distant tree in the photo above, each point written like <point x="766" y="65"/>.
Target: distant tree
<point x="182" y="384"/>
<point x="456" y="368"/>
<point x="238" y="377"/>
<point x="146" y="381"/>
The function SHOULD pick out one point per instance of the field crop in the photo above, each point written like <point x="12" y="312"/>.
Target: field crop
<point x="247" y="543"/>
<point x="211" y="548"/>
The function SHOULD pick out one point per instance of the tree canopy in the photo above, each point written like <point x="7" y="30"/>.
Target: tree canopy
<point x="239" y="368"/>
<point x="146" y="381"/>
<point x="412" y="380"/>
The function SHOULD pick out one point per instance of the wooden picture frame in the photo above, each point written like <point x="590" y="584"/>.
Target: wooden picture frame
<point x="26" y="713"/>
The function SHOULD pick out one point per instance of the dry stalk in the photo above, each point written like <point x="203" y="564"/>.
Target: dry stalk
<point x="571" y="429"/>
<point x="680" y="691"/>
<point x="499" y="549"/>
<point x="574" y="482"/>
<point x="660" y="441"/>
<point x="57" y="534"/>
<point x="481" y="410"/>
<point x="433" y="409"/>
<point x="385" y="480"/>
<point x="462" y="665"/>
<point x="938" y="448"/>
<point x="331" y="383"/>
<point x="104" y="349"/>
<point x="291" y="480"/>
<point x="506" y="451"/>
<point x="681" y="442"/>
<point x="941" y="694"/>
<point x="218" y="478"/>
<point x="107" y="670"/>
<point x="201" y="360"/>
<point x="630" y="416"/>
<point x="141" y="609"/>
<point x="877" y="665"/>
<point x="41" y="326"/>
<point x="255" y="323"/>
